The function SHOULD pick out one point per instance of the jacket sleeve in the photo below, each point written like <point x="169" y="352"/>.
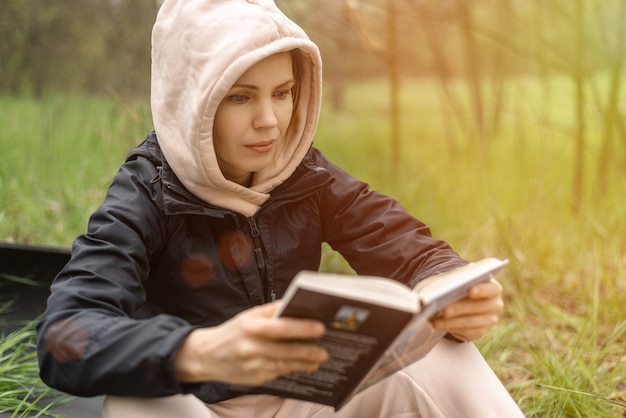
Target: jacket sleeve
<point x="95" y="337"/>
<point x="376" y="234"/>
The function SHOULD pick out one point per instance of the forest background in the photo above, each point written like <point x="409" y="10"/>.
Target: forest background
<point x="500" y="123"/>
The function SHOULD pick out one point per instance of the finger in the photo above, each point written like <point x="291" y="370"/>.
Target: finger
<point x="275" y="360"/>
<point x="282" y="366"/>
<point x="469" y="307"/>
<point x="282" y="328"/>
<point x="260" y="321"/>
<point x="461" y="323"/>
<point x="276" y="349"/>
<point x="469" y="334"/>
<point x="296" y="351"/>
<point x="286" y="367"/>
<point x="265" y="369"/>
<point x="486" y="290"/>
<point x="267" y="310"/>
<point x="255" y="363"/>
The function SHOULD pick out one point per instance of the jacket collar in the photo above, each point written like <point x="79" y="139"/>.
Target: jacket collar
<point x="307" y="178"/>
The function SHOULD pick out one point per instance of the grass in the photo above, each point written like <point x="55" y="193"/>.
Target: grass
<point x="66" y="150"/>
<point x="21" y="392"/>
<point x="560" y="345"/>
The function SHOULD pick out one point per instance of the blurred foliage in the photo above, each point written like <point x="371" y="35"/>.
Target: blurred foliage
<point x="492" y="46"/>
<point x="92" y="46"/>
<point x="99" y="45"/>
<point x="495" y="48"/>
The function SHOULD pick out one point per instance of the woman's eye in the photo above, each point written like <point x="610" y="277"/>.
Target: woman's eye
<point x="282" y="94"/>
<point x="238" y="98"/>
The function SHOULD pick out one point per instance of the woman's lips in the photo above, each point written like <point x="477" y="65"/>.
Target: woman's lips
<point x="262" y="146"/>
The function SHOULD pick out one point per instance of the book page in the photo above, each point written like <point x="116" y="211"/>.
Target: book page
<point x="368" y="289"/>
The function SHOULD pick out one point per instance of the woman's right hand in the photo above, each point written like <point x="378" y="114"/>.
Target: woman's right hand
<point x="250" y="349"/>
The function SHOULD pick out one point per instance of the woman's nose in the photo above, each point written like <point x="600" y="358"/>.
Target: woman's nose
<point x="265" y="115"/>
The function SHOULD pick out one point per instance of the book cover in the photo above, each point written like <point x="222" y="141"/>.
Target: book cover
<point x="358" y="333"/>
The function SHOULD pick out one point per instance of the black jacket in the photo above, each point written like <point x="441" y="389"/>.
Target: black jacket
<point x="157" y="262"/>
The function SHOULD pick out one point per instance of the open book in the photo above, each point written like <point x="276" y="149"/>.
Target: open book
<point x="375" y="326"/>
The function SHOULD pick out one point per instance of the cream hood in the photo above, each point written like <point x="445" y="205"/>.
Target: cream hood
<point x="199" y="49"/>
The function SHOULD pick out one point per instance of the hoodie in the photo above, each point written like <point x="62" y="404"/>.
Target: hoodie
<point x="200" y="48"/>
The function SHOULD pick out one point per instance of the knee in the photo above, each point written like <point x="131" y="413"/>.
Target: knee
<point x="450" y="366"/>
<point x="180" y="406"/>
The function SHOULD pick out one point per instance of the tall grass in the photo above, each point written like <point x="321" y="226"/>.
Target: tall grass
<point x="22" y="393"/>
<point x="58" y="155"/>
<point x="560" y="344"/>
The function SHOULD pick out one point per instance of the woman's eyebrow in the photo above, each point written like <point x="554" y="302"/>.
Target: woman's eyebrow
<point x="286" y="83"/>
<point x="254" y="87"/>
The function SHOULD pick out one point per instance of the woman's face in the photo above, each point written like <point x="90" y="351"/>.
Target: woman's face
<point x="253" y="118"/>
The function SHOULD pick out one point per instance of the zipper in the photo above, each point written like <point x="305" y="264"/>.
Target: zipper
<point x="269" y="292"/>
<point x="157" y="178"/>
<point x="260" y="261"/>
<point x="268" y="283"/>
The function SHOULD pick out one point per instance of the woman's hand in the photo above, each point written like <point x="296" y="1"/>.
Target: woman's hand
<point x="250" y="349"/>
<point x="471" y="318"/>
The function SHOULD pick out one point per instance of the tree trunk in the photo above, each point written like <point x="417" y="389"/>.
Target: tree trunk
<point x="394" y="85"/>
<point x="35" y="54"/>
<point x="472" y="60"/>
<point x="611" y="111"/>
<point x="451" y="106"/>
<point x="579" y="109"/>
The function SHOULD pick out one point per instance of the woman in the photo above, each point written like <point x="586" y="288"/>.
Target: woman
<point x="169" y="297"/>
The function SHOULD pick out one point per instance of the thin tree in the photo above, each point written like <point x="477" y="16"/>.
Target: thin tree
<point x="472" y="63"/>
<point x="611" y="111"/>
<point x="393" y="69"/>
<point x="451" y="104"/>
<point x="579" y="108"/>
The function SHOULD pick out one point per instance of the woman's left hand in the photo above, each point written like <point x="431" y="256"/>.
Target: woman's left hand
<point x="471" y="318"/>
